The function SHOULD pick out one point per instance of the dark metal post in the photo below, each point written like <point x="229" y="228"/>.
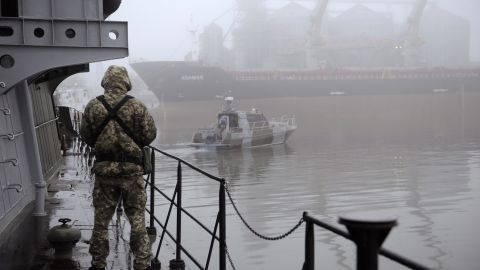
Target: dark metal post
<point x="309" y="263"/>
<point x="151" y="230"/>
<point x="368" y="233"/>
<point x="179" y="212"/>
<point x="223" y="233"/>
<point x="178" y="263"/>
<point x="152" y="194"/>
<point x="31" y="141"/>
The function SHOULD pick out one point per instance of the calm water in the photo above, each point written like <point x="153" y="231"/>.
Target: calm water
<point x="433" y="189"/>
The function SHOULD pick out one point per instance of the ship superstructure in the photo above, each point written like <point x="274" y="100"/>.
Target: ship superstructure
<point x="42" y="42"/>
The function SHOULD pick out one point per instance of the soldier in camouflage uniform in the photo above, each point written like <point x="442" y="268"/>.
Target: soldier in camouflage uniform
<point x="115" y="174"/>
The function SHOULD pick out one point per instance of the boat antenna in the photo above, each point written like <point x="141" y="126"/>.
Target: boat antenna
<point x="193" y="29"/>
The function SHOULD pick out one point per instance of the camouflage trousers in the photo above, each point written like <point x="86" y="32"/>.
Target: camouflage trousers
<point x="106" y="194"/>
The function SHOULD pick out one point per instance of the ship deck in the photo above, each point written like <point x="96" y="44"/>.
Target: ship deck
<point x="24" y="244"/>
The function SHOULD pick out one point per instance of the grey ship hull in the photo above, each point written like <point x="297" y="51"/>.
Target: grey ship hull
<point x="177" y="81"/>
<point x="41" y="44"/>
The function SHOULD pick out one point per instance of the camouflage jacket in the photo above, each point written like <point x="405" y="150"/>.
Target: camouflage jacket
<point x="113" y="141"/>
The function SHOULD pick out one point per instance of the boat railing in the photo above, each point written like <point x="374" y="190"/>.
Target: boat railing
<point x="289" y="120"/>
<point x="255" y="126"/>
<point x="368" y="235"/>
<point x="206" y="130"/>
<point x="236" y="129"/>
<point x="356" y="74"/>
<point x="285" y="120"/>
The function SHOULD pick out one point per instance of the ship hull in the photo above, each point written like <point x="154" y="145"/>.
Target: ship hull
<point x="181" y="81"/>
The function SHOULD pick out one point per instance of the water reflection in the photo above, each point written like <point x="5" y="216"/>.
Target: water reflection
<point x="438" y="184"/>
<point x="251" y="162"/>
<point x="365" y="153"/>
<point x="434" y="193"/>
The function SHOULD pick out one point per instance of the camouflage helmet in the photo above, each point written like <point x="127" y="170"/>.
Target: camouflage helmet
<point x="116" y="77"/>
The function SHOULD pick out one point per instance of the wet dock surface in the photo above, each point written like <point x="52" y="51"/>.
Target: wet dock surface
<point x="25" y="244"/>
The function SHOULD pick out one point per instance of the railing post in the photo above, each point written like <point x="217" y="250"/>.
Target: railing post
<point x="309" y="263"/>
<point x="368" y="233"/>
<point x="152" y="195"/>
<point x="151" y="230"/>
<point x="178" y="263"/>
<point x="223" y="233"/>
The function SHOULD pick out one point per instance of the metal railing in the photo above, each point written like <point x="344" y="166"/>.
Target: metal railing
<point x="361" y="232"/>
<point x="176" y="200"/>
<point x="368" y="235"/>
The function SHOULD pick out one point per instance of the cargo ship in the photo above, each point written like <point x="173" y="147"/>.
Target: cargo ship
<point x="296" y="51"/>
<point x="181" y="81"/>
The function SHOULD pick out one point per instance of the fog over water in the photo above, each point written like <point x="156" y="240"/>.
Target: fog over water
<point x="432" y="187"/>
<point x="330" y="167"/>
<point x="386" y="122"/>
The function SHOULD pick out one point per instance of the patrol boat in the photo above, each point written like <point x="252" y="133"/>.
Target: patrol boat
<point x="236" y="128"/>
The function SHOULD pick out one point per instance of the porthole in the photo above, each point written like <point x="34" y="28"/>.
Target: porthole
<point x="113" y="35"/>
<point x="6" y="31"/>
<point x="7" y="61"/>
<point x="70" y="33"/>
<point x="39" y="32"/>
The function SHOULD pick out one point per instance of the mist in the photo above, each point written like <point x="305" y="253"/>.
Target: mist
<point x="382" y="102"/>
<point x="158" y="30"/>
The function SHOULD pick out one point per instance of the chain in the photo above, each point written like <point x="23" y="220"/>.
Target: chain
<point x="269" y="238"/>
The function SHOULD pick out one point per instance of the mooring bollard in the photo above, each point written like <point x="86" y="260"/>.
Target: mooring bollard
<point x="63" y="238"/>
<point x="368" y="232"/>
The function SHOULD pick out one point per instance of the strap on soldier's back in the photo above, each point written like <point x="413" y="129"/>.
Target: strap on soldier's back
<point x="112" y="114"/>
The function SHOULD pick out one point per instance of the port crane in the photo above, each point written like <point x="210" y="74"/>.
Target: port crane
<point x="409" y="43"/>
<point x="315" y="38"/>
<point x="412" y="42"/>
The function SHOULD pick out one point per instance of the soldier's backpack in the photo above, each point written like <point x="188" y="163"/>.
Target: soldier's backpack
<point x="145" y="162"/>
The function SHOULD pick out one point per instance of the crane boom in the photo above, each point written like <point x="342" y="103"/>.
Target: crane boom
<point x="412" y="41"/>
<point x="314" y="37"/>
<point x="415" y="17"/>
<point x="317" y="18"/>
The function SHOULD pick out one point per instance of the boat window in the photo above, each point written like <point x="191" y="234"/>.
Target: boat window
<point x="252" y="118"/>
<point x="9" y="8"/>
<point x="232" y="119"/>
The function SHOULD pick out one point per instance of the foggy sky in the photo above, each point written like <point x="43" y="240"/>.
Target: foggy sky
<point x="158" y="29"/>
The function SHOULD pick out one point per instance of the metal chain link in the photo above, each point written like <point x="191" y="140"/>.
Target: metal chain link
<point x="269" y="238"/>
